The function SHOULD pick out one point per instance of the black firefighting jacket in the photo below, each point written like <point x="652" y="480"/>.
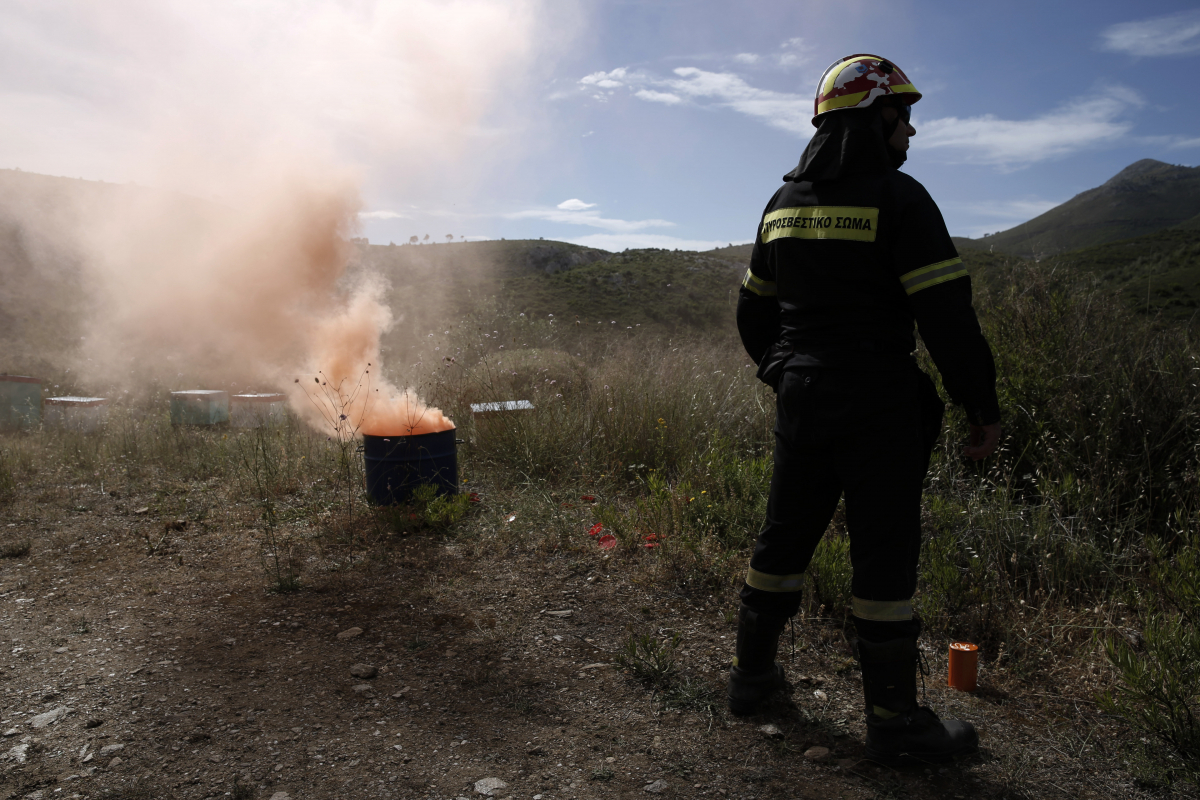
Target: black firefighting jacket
<point x="842" y="269"/>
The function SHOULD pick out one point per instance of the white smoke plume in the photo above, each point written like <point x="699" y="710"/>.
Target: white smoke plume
<point x="278" y="111"/>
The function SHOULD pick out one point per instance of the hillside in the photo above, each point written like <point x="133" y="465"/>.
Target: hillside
<point x="664" y="289"/>
<point x="1157" y="274"/>
<point x="46" y="293"/>
<point x="736" y="253"/>
<point x="1192" y="224"/>
<point x="46" y="299"/>
<point x="41" y="298"/>
<point x="1145" y="197"/>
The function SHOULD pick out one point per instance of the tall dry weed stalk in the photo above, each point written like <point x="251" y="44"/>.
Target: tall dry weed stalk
<point x="344" y="405"/>
<point x="260" y="458"/>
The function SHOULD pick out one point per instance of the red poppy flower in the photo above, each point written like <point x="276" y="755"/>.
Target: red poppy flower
<point x="595" y="529"/>
<point x="607" y="541"/>
<point x="588" y="498"/>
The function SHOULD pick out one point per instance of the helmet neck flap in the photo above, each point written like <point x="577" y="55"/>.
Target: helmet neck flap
<point x="851" y="141"/>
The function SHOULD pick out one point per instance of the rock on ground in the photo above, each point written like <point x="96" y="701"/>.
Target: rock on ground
<point x="489" y="786"/>
<point x="658" y="787"/>
<point x="816" y="753"/>
<point x="771" y="731"/>
<point x="365" y="671"/>
<point x="42" y="720"/>
<point x="350" y="633"/>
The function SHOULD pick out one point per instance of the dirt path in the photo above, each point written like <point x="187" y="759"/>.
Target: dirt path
<point x="176" y="675"/>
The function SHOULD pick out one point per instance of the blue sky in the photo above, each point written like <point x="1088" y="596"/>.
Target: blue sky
<point x="614" y="124"/>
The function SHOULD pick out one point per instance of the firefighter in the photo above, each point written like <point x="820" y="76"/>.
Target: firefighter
<point x="850" y="253"/>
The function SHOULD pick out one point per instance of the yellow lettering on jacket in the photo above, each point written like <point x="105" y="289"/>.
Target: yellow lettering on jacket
<point x="822" y="222"/>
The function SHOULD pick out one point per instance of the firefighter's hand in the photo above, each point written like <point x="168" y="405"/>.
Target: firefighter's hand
<point x="984" y="439"/>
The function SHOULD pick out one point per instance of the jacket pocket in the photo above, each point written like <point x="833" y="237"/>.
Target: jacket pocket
<point x="770" y="369"/>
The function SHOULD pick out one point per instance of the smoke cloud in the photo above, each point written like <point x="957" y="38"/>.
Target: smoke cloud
<point x="275" y="110"/>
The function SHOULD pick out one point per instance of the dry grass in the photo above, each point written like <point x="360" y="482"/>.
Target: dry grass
<point x="1041" y="556"/>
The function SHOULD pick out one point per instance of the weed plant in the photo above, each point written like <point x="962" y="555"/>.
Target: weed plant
<point x="650" y="659"/>
<point x="344" y="405"/>
<point x="1159" y="692"/>
<point x="8" y="482"/>
<point x="260" y="460"/>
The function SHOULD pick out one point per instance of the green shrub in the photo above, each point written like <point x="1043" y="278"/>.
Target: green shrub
<point x="8" y="481"/>
<point x="829" y="576"/>
<point x="1160" y="675"/>
<point x="1101" y="411"/>
<point x="438" y="511"/>
<point x="651" y="660"/>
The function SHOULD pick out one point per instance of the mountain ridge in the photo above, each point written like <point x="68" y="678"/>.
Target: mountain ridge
<point x="1145" y="197"/>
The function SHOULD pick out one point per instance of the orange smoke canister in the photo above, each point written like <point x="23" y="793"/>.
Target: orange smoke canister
<point x="964" y="666"/>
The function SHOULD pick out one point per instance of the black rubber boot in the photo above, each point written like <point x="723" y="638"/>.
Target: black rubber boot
<point x="899" y="730"/>
<point x="754" y="675"/>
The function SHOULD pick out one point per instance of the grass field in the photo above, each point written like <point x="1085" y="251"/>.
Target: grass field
<point x="1070" y="557"/>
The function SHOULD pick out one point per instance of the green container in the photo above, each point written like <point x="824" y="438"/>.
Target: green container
<point x="199" y="407"/>
<point x="20" y="401"/>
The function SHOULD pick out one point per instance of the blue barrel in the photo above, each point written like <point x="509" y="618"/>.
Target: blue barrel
<point x="396" y="465"/>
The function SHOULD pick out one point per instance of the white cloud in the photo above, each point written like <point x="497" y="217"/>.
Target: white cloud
<point x="382" y="215"/>
<point x="1187" y="143"/>
<point x="1171" y="35"/>
<point x="588" y="217"/>
<point x="698" y="87"/>
<point x="794" y="53"/>
<point x="658" y="97"/>
<point x="791" y="54"/>
<point x="1010" y="144"/>
<point x="605" y="80"/>
<point x="574" y="204"/>
<point x="789" y="112"/>
<point x="1018" y="143"/>
<point x="1019" y="210"/>
<point x="617" y="242"/>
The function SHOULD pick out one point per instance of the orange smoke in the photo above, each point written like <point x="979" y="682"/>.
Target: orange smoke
<point x="249" y="300"/>
<point x="347" y="394"/>
<point x="281" y="116"/>
<point x="406" y="415"/>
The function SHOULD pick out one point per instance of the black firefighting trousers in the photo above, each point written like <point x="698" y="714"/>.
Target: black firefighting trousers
<point x="863" y="431"/>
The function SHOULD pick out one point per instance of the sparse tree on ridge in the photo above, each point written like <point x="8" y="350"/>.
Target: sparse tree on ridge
<point x="427" y="237"/>
<point x="412" y="240"/>
<point x="449" y="237"/>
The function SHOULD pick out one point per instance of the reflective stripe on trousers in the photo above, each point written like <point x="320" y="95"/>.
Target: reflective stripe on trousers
<point x="864" y="433"/>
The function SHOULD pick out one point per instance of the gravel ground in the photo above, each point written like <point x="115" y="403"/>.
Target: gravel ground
<point x="441" y="673"/>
